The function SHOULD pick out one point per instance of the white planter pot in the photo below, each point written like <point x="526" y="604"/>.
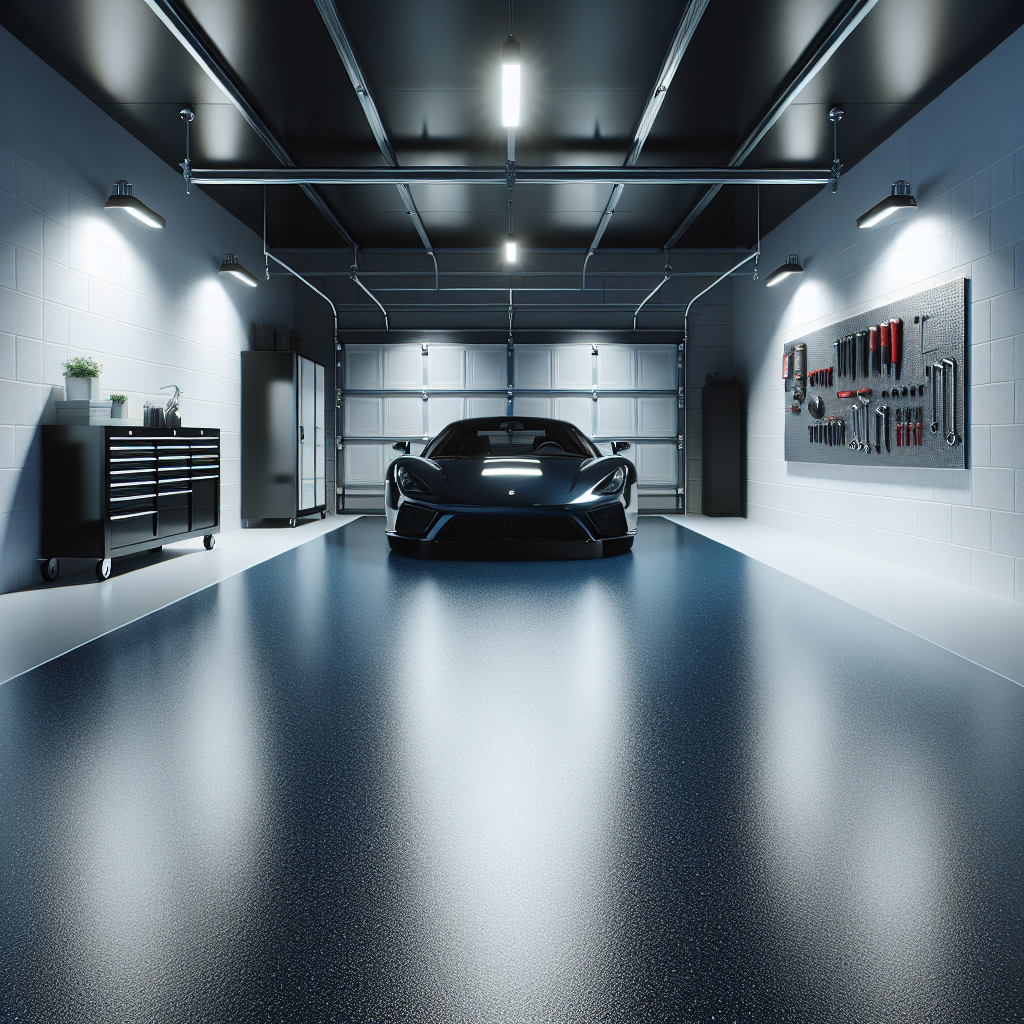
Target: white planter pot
<point x="80" y="389"/>
<point x="117" y="410"/>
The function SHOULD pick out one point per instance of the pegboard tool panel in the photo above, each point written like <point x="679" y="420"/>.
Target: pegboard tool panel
<point x="886" y="388"/>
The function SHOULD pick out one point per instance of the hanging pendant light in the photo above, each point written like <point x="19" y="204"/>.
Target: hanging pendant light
<point x="230" y="265"/>
<point x="124" y="206"/>
<point x="510" y="67"/>
<point x="900" y="199"/>
<point x="791" y="266"/>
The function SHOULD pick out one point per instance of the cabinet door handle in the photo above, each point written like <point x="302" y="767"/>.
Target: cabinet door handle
<point x="302" y="433"/>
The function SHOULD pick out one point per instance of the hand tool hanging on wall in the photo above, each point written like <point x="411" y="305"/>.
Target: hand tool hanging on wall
<point x="882" y="431"/>
<point x="896" y="345"/>
<point x="936" y="373"/>
<point x="883" y="343"/>
<point x="873" y="343"/>
<point x="899" y="428"/>
<point x="863" y="367"/>
<point x="952" y="437"/>
<point x="799" y="372"/>
<point x="920" y="424"/>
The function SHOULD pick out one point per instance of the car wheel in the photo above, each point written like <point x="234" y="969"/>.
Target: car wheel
<point x="50" y="570"/>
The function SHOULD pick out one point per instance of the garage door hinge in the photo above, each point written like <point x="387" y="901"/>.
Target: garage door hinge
<point x="423" y="348"/>
<point x="679" y="441"/>
<point x="340" y="443"/>
<point x="337" y="398"/>
<point x="593" y="394"/>
<point x="681" y="397"/>
<point x="424" y="396"/>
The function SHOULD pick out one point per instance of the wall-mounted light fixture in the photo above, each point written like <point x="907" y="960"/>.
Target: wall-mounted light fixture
<point x="900" y="199"/>
<point x="510" y="247"/>
<point x="510" y="66"/>
<point x="124" y="206"/>
<point x="230" y="265"/>
<point x="791" y="266"/>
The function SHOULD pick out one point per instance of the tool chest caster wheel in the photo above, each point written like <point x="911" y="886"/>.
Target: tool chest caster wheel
<point x="208" y="541"/>
<point x="323" y="513"/>
<point x="291" y="523"/>
<point x="103" y="569"/>
<point x="50" y="570"/>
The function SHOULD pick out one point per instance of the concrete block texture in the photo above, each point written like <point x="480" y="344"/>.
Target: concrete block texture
<point x="73" y="281"/>
<point x="966" y="525"/>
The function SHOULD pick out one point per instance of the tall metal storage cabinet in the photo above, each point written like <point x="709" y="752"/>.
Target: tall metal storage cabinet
<point x="724" y="449"/>
<point x="283" y="457"/>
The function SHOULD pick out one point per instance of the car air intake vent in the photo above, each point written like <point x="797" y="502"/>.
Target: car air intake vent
<point x="513" y="528"/>
<point x="609" y="521"/>
<point x="413" y="520"/>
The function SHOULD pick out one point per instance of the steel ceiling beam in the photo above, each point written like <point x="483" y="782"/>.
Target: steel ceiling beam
<point x="841" y="23"/>
<point x="336" y="30"/>
<point x="524" y="176"/>
<point x="189" y="33"/>
<point x="680" y="41"/>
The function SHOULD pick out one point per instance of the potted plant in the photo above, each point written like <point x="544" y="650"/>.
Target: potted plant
<point x="117" y="404"/>
<point x="80" y="375"/>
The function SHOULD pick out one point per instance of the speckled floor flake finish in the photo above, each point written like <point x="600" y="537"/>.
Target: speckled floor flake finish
<point x="674" y="785"/>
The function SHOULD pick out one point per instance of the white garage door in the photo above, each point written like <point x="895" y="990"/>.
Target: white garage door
<point x="611" y="390"/>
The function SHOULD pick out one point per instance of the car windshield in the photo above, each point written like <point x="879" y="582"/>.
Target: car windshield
<point x="473" y="439"/>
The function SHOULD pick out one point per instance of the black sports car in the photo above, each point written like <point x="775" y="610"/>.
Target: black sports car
<point x="512" y="479"/>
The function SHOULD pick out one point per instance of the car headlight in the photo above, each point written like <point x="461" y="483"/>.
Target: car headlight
<point x="612" y="483"/>
<point x="409" y="484"/>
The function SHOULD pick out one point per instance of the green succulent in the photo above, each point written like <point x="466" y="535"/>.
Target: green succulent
<point x="82" y="366"/>
<point x="121" y="399"/>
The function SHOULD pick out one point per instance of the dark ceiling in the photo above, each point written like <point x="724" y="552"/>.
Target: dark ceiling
<point x="588" y="67"/>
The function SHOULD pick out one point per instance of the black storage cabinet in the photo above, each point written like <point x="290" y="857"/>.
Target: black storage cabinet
<point x="111" y="491"/>
<point x="283" y="437"/>
<point x="724" y="449"/>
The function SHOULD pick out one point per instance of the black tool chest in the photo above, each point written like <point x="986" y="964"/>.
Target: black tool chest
<point x="111" y="491"/>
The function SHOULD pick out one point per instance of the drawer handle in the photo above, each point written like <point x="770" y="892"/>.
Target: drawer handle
<point x="134" y="497"/>
<point x="132" y="515"/>
<point x="165" y="493"/>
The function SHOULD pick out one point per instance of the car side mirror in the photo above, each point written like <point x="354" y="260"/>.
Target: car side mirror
<point x="619" y="446"/>
<point x="402" y="446"/>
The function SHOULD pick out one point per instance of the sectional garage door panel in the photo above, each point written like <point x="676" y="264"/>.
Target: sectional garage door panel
<point x="610" y="389"/>
<point x="445" y="367"/>
<point x="486" y="367"/>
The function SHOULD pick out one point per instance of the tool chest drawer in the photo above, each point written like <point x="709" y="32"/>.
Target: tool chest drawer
<point x="113" y="490"/>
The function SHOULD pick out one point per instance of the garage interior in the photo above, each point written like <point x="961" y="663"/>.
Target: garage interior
<point x="766" y="765"/>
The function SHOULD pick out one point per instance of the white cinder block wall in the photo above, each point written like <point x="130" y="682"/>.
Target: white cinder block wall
<point x="149" y="305"/>
<point x="963" y="156"/>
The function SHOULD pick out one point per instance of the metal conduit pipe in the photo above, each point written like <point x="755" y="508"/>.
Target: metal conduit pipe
<point x="354" y="275"/>
<point x="337" y="350"/>
<point x="657" y="288"/>
<point x="843" y="20"/>
<point x="686" y="360"/>
<point x="454" y="175"/>
<point x="187" y="31"/>
<point x="680" y="41"/>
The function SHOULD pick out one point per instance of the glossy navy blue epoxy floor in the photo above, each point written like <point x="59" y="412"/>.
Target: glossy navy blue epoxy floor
<point x="673" y="785"/>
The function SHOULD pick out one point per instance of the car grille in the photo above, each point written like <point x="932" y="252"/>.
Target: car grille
<point x="413" y="520"/>
<point x="513" y="528"/>
<point x="609" y="521"/>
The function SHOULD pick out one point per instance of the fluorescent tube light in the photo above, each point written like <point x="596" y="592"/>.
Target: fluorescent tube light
<point x="230" y="265"/>
<point x="510" y="247"/>
<point x="510" y="67"/>
<point x="124" y="206"/>
<point x="791" y="266"/>
<point x="900" y="199"/>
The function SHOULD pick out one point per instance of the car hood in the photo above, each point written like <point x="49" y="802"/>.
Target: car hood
<point x="552" y="474"/>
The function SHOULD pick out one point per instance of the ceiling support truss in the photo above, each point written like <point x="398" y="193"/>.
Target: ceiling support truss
<point x="179" y="20"/>
<point x="524" y="176"/>
<point x="841" y="23"/>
